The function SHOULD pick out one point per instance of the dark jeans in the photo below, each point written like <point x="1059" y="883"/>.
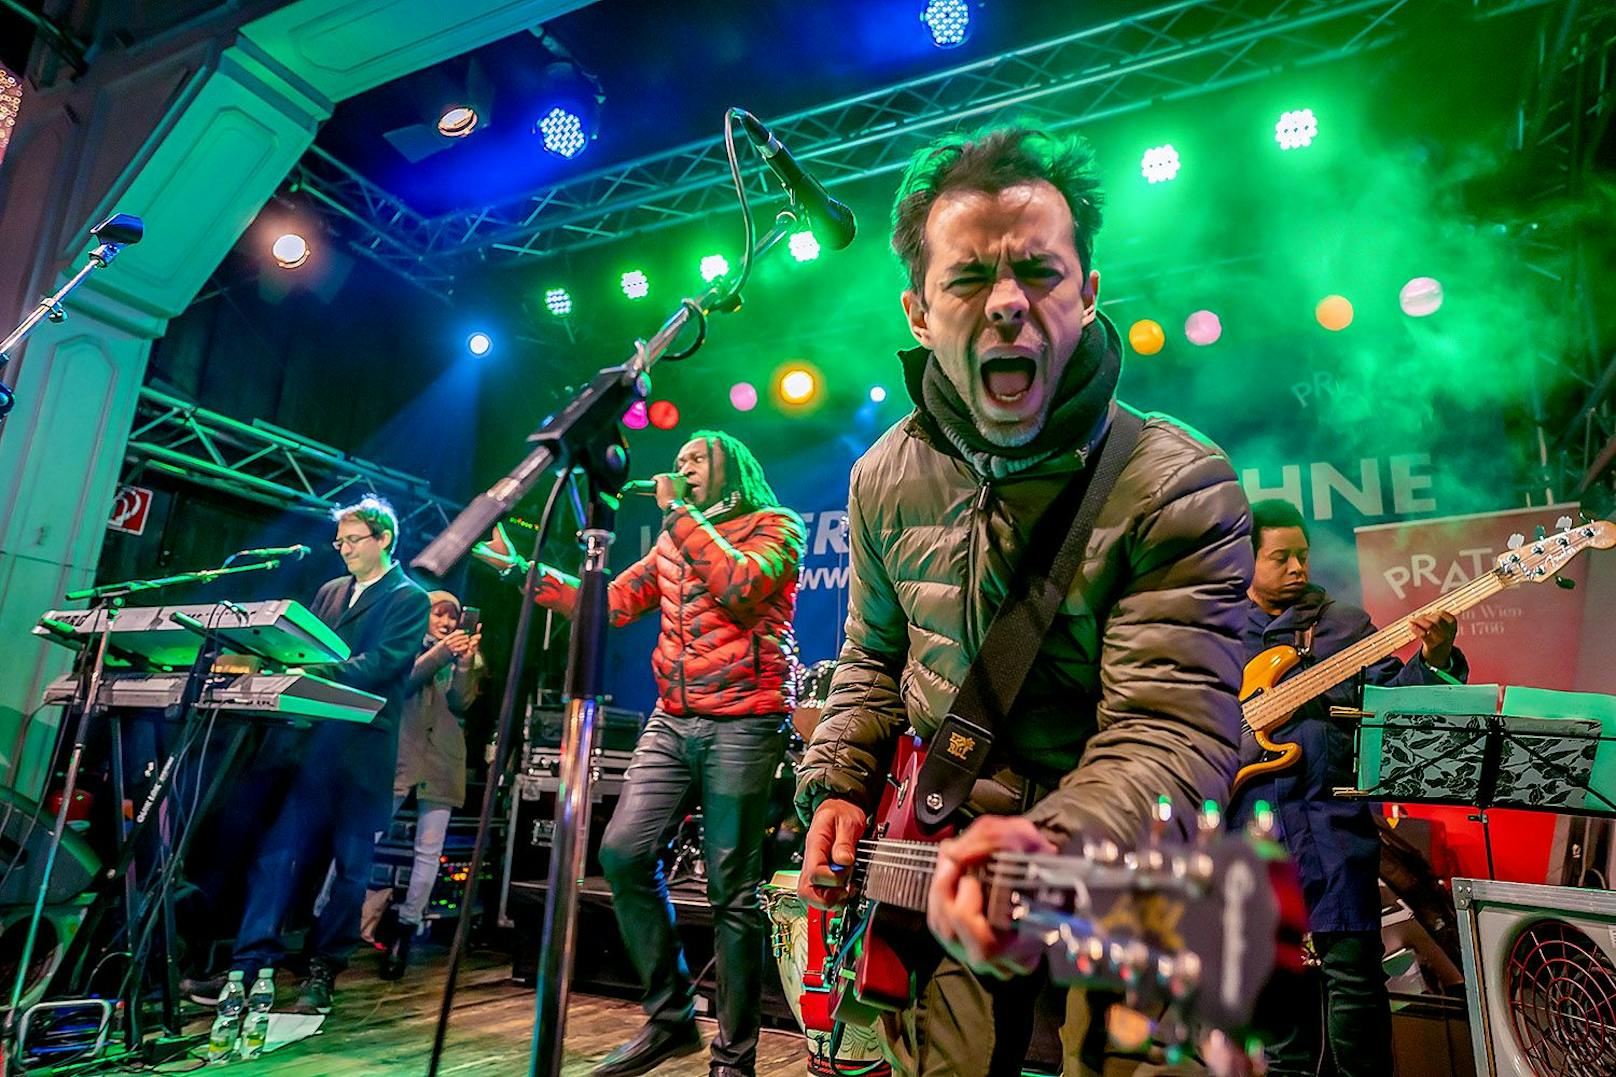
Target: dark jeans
<point x="1348" y="1029"/>
<point x="327" y="816"/>
<point x="726" y="765"/>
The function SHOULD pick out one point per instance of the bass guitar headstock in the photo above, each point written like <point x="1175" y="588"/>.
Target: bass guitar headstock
<point x="1196" y="932"/>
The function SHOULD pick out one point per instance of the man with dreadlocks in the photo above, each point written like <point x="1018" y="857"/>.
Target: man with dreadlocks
<point x="724" y="573"/>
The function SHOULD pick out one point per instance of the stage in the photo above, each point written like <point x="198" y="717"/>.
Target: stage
<point x="386" y="1028"/>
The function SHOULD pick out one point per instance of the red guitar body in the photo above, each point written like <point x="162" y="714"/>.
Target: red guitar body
<point x="893" y="940"/>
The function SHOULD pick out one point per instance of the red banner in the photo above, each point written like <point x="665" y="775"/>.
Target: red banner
<point x="1528" y="635"/>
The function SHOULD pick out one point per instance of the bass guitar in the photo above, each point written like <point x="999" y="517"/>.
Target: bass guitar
<point x="1268" y="701"/>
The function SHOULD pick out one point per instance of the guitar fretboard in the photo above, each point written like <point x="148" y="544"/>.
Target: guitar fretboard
<point x="897" y="872"/>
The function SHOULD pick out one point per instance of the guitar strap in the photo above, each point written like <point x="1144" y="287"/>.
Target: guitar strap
<point x="1055" y="549"/>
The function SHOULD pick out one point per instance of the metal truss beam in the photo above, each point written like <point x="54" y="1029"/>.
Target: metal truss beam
<point x="1171" y="51"/>
<point x="1563" y="120"/>
<point x="269" y="465"/>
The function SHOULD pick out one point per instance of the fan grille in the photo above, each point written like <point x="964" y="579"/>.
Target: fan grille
<point x="1562" y="1001"/>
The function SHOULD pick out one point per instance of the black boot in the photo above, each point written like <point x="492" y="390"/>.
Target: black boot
<point x="654" y="1045"/>
<point x="396" y="936"/>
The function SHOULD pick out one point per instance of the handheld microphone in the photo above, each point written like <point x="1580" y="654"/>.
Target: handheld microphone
<point x="644" y="487"/>
<point x="298" y="552"/>
<point x="832" y="221"/>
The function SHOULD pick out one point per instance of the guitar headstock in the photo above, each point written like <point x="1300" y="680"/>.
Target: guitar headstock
<point x="1196" y="931"/>
<point x="1545" y="555"/>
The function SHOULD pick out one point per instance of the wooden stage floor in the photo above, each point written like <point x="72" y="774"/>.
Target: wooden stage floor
<point x="386" y="1028"/>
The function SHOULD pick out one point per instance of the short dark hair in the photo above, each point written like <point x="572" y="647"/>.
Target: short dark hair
<point x="1271" y="513"/>
<point x="991" y="160"/>
<point x="377" y="516"/>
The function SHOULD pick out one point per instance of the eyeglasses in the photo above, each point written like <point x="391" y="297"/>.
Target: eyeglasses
<point x="349" y="540"/>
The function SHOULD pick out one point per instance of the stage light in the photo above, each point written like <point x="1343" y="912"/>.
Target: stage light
<point x="878" y="394"/>
<point x="457" y="121"/>
<point x="663" y="415"/>
<point x="635" y="418"/>
<point x="804" y="247"/>
<point x="479" y="343"/>
<point x="798" y="385"/>
<point x="1203" y="328"/>
<point x="636" y="285"/>
<point x="558" y="301"/>
<point x="563" y="133"/>
<point x="1296" y="129"/>
<point x="1146" y="337"/>
<point x="570" y="112"/>
<point x="290" y="250"/>
<point x="743" y="395"/>
<point x="1420" y="297"/>
<point x="949" y="22"/>
<point x="1334" y="312"/>
<point x="1159" y="164"/>
<point x="714" y="266"/>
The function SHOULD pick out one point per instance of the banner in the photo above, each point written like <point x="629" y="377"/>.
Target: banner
<point x="1531" y="634"/>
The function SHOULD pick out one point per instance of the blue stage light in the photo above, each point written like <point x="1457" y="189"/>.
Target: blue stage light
<point x="563" y="132"/>
<point x="949" y="22"/>
<point x="479" y="343"/>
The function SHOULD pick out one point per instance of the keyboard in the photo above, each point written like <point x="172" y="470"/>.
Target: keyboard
<point x="283" y="632"/>
<point x="288" y="697"/>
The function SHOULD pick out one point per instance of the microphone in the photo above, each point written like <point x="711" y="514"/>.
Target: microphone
<point x="644" y="487"/>
<point x="833" y="222"/>
<point x="298" y="552"/>
<point x="121" y="228"/>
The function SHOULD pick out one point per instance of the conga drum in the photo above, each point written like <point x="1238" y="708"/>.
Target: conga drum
<point x="798" y="941"/>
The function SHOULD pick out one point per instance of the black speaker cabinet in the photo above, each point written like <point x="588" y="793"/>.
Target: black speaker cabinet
<point x="25" y="833"/>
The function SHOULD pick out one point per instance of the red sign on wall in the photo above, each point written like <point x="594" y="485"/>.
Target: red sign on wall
<point x="130" y="509"/>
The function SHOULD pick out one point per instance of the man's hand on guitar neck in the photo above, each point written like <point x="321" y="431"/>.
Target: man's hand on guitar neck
<point x="956" y="907"/>
<point x="828" y="852"/>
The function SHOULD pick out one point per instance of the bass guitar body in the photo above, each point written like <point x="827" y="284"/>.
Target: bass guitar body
<point x="1261" y="674"/>
<point x="875" y="965"/>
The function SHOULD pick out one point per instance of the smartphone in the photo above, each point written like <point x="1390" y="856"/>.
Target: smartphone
<point x="470" y="620"/>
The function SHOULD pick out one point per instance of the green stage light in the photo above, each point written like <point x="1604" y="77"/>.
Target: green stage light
<point x="559" y="302"/>
<point x="1159" y="164"/>
<point x="714" y="266"/>
<point x="804" y="247"/>
<point x="636" y="285"/>
<point x="1296" y="129"/>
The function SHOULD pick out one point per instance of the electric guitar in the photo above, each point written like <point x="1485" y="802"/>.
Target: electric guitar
<point x="1268" y="702"/>
<point x="1198" y="929"/>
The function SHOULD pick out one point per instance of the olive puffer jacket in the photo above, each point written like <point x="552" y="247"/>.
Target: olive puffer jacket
<point x="1134" y="693"/>
<point x="727" y="590"/>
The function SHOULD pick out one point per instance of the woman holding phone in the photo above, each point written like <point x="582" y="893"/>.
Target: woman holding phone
<point x="432" y="758"/>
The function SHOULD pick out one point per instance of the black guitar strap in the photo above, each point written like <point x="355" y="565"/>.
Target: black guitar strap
<point x="1055" y="549"/>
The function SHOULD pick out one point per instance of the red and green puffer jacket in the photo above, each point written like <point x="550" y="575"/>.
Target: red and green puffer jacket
<point x="727" y="590"/>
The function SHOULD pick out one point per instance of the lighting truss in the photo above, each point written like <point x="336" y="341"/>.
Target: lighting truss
<point x="1171" y="51"/>
<point x="272" y="466"/>
<point x="1564" y="118"/>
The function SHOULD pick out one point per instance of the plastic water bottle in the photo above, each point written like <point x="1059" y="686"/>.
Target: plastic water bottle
<point x="232" y="1001"/>
<point x="260" y="1000"/>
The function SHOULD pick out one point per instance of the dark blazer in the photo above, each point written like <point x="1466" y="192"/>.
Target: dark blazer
<point x="383" y="631"/>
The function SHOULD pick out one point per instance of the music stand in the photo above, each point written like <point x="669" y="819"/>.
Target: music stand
<point x="1546" y="751"/>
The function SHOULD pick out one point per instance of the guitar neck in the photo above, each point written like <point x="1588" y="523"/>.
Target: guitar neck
<point x="1275" y="706"/>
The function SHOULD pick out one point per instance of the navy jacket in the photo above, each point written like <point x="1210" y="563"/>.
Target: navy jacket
<point x="1333" y="842"/>
<point x="383" y="632"/>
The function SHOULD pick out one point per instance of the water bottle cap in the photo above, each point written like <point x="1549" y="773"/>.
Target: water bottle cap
<point x="238" y="974"/>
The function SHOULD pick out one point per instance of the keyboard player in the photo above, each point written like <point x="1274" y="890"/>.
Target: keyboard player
<point x="342" y="793"/>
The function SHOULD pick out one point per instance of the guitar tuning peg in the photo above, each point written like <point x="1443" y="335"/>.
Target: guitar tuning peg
<point x="1516" y="541"/>
<point x="1209" y="823"/>
<point x="1262" y="820"/>
<point x="1540" y="531"/>
<point x="1563" y="524"/>
<point x="1564" y="584"/>
<point x="1160" y="819"/>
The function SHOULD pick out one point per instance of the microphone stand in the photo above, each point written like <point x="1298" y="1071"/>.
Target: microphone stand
<point x="583" y="434"/>
<point x="122" y="230"/>
<point x="111" y="597"/>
